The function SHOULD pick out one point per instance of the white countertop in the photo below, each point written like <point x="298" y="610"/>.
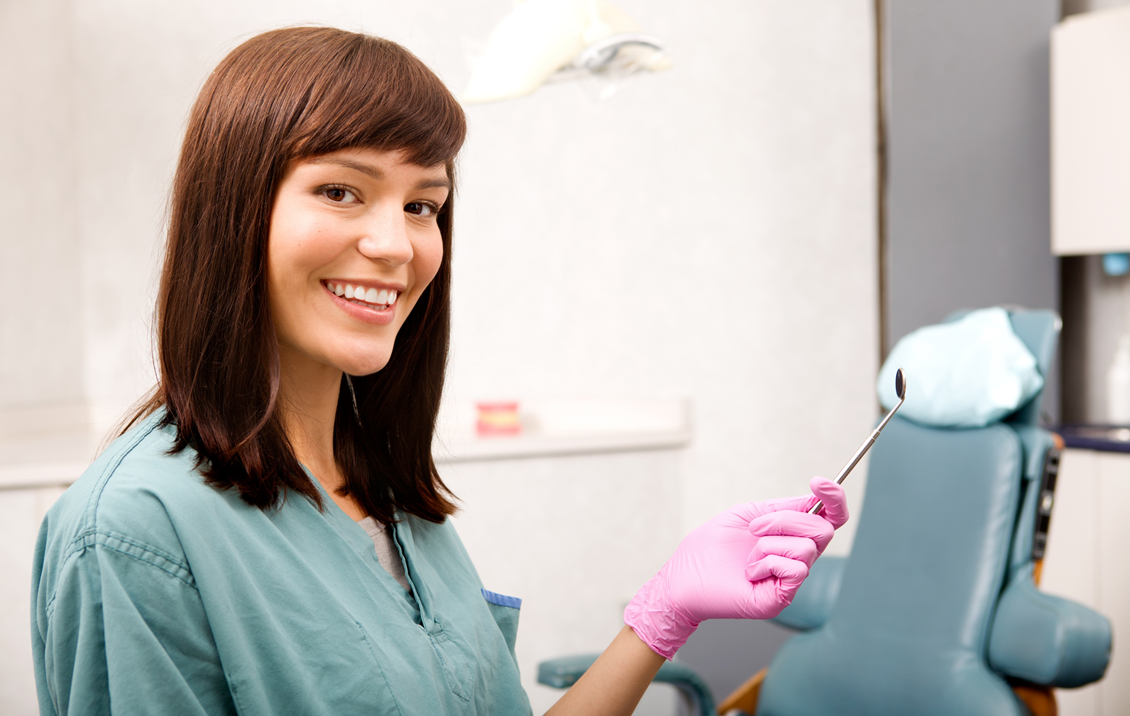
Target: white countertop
<point x="550" y="428"/>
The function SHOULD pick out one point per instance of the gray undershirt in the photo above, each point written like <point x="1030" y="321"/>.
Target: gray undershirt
<point x="387" y="554"/>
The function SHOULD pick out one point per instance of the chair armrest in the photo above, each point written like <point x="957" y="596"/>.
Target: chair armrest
<point x="1045" y="639"/>
<point x="813" y="602"/>
<point x="563" y="672"/>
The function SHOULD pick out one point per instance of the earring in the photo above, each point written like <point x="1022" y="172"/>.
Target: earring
<point x="353" y="394"/>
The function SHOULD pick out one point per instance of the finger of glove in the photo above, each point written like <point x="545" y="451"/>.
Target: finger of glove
<point x="801" y="549"/>
<point x="835" y="501"/>
<point x="800" y="503"/>
<point x="790" y="572"/>
<point x="746" y="512"/>
<point x="794" y="524"/>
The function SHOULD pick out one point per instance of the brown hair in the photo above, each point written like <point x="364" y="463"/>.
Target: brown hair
<point x="279" y="97"/>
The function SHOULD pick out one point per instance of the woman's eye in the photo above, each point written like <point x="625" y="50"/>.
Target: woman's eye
<point x="421" y="208"/>
<point x="339" y="195"/>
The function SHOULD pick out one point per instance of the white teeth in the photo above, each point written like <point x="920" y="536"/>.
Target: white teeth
<point x="376" y="297"/>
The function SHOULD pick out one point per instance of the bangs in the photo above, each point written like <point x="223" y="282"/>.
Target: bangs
<point x="282" y="96"/>
<point x="364" y="91"/>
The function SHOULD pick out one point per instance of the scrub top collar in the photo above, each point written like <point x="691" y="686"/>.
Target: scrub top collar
<point x="419" y="602"/>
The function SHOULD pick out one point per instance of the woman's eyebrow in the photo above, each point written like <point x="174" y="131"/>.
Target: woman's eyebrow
<point x="435" y="184"/>
<point x="368" y="169"/>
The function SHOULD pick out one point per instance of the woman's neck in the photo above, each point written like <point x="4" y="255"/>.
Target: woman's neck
<point x="308" y="395"/>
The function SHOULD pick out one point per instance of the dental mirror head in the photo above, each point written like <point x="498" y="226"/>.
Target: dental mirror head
<point x="900" y="385"/>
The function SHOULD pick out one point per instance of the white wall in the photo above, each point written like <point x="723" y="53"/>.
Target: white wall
<point x="40" y="356"/>
<point x="707" y="232"/>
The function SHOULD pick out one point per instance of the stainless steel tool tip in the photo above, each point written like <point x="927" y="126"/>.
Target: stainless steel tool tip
<point x="900" y="384"/>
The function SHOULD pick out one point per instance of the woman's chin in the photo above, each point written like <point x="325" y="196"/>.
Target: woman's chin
<point x="363" y="368"/>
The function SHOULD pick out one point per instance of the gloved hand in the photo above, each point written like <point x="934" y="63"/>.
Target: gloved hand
<point x="745" y="563"/>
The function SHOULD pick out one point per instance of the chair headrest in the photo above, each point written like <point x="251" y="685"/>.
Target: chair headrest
<point x="1039" y="330"/>
<point x="972" y="370"/>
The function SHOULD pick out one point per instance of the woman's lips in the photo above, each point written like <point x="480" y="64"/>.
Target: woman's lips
<point x="371" y="313"/>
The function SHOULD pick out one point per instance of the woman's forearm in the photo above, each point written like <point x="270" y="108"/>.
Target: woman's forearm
<point x="614" y="684"/>
<point x="744" y="563"/>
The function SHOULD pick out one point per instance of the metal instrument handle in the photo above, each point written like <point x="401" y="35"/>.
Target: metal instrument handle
<point x="859" y="454"/>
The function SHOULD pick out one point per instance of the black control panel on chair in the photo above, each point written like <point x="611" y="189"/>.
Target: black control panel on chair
<point x="1045" y="503"/>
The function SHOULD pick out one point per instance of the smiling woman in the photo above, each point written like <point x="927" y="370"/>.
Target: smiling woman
<point x="198" y="567"/>
<point x="310" y="156"/>
<point x="363" y="222"/>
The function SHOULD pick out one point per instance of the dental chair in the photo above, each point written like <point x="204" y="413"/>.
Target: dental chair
<point x="936" y="610"/>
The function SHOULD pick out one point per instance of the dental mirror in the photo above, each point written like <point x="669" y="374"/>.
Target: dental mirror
<point x="900" y="391"/>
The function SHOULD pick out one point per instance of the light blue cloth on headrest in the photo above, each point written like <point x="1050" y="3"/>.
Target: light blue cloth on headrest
<point x="964" y="374"/>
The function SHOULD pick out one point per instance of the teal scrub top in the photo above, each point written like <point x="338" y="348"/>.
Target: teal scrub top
<point x="155" y="593"/>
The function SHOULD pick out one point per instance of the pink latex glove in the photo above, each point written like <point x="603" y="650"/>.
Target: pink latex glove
<point x="745" y="563"/>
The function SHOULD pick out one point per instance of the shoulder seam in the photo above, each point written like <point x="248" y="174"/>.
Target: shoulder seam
<point x="89" y="518"/>
<point x="130" y="548"/>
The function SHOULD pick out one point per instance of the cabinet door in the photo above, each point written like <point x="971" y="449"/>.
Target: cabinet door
<point x="1071" y="561"/>
<point x="1088" y="560"/>
<point x="1070" y="564"/>
<point x="1113" y="572"/>
<point x="21" y="511"/>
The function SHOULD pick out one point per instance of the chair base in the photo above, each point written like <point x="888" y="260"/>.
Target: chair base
<point x="1040" y="700"/>
<point x="744" y="698"/>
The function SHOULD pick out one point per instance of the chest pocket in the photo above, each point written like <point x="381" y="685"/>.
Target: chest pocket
<point x="505" y="611"/>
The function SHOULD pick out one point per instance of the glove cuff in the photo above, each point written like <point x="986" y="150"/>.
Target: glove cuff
<point x="655" y="622"/>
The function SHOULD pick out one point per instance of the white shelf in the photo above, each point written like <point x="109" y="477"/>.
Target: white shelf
<point x="570" y="427"/>
<point x="551" y="429"/>
<point x="57" y="474"/>
<point x="471" y="448"/>
<point x="45" y="459"/>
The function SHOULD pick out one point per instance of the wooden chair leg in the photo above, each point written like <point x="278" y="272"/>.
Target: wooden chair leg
<point x="745" y="696"/>
<point x="1040" y="700"/>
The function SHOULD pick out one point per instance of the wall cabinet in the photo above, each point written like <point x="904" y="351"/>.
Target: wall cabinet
<point x="1090" y="145"/>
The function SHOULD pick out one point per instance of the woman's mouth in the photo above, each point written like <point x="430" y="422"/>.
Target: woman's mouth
<point x="375" y="298"/>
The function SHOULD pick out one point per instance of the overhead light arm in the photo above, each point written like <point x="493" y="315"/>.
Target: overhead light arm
<point x="553" y="40"/>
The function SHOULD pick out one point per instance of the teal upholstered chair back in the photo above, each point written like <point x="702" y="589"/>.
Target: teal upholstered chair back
<point x="935" y="608"/>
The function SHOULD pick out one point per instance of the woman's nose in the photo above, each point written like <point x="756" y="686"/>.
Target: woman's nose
<point x="386" y="237"/>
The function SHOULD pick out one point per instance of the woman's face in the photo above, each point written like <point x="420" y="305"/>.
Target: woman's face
<point x="353" y="243"/>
